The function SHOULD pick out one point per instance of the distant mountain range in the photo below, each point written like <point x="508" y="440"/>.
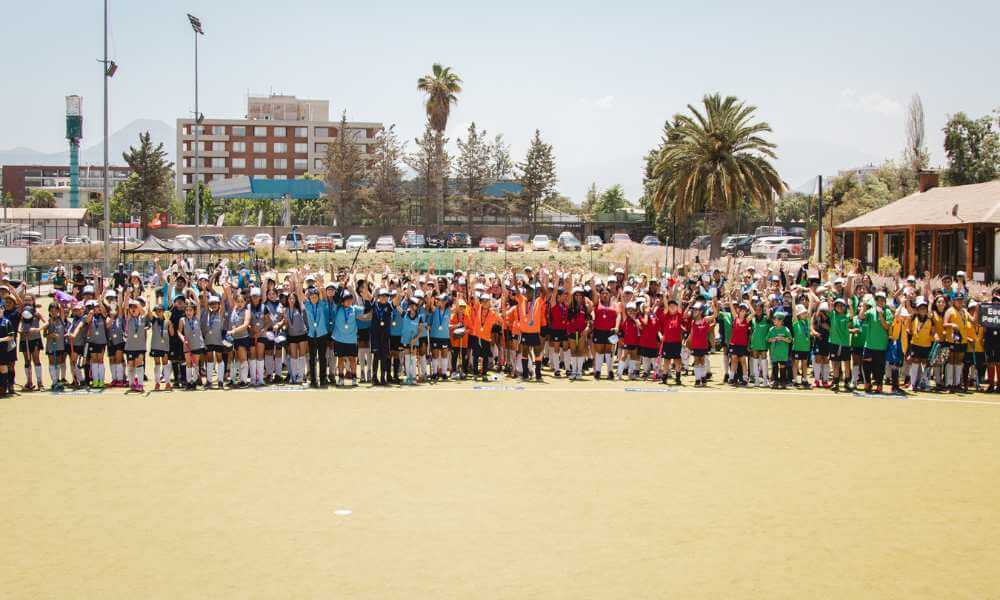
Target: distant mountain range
<point x="121" y="140"/>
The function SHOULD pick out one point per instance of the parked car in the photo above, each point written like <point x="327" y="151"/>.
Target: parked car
<point x="797" y="232"/>
<point x="412" y="239"/>
<point x="73" y="240"/>
<point x="323" y="243"/>
<point x="769" y="231"/>
<point x="737" y="245"/>
<point x="183" y="238"/>
<point x="781" y="248"/>
<point x="294" y="241"/>
<point x="337" y="239"/>
<point x="434" y="241"/>
<point x="311" y="242"/>
<point x="261" y="239"/>
<point x="540" y="242"/>
<point x="357" y="241"/>
<point x="702" y="242"/>
<point x="514" y="243"/>
<point x="239" y="238"/>
<point x="651" y="240"/>
<point x="458" y="240"/>
<point x="620" y="237"/>
<point x="385" y="244"/>
<point x="568" y="241"/>
<point x="593" y="242"/>
<point x="489" y="244"/>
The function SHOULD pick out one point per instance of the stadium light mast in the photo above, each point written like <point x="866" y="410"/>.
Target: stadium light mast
<point x="108" y="69"/>
<point x="198" y="118"/>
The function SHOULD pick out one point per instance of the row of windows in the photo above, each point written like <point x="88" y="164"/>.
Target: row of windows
<point x="258" y="147"/>
<point x="258" y="163"/>
<point x="208" y="177"/>
<point x="277" y="131"/>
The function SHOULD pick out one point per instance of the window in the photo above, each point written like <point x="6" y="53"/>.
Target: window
<point x="260" y="131"/>
<point x="319" y="166"/>
<point x="281" y="163"/>
<point x="260" y="163"/>
<point x="280" y="132"/>
<point x="300" y="163"/>
<point x="301" y="147"/>
<point x="239" y="130"/>
<point x="207" y="146"/>
<point x="218" y="130"/>
<point x="239" y="146"/>
<point x="218" y="163"/>
<point x="321" y="148"/>
<point x="239" y="163"/>
<point x="280" y="147"/>
<point x="280" y="177"/>
<point x="322" y="132"/>
<point x="300" y="132"/>
<point x="260" y="147"/>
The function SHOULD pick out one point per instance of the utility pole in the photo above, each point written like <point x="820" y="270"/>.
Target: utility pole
<point x="108" y="71"/>
<point x="819" y="243"/>
<point x="196" y="26"/>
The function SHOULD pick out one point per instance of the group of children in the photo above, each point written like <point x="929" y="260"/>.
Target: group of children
<point x="219" y="327"/>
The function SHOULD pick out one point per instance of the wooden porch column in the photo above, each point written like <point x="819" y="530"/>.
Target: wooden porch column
<point x="911" y="250"/>
<point x="856" y="245"/>
<point x="968" y="251"/>
<point x="878" y="248"/>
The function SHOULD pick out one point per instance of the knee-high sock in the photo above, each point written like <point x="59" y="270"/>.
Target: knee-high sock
<point x="598" y="363"/>
<point x="54" y="373"/>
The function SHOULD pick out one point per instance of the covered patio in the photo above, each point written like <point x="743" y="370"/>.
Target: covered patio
<point x="940" y="230"/>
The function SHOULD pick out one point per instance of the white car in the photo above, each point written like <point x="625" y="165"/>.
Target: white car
<point x="78" y="240"/>
<point x="183" y="238"/>
<point x="262" y="239"/>
<point x="777" y="248"/>
<point x="357" y="241"/>
<point x="620" y="237"/>
<point x="540" y="242"/>
<point x="385" y="244"/>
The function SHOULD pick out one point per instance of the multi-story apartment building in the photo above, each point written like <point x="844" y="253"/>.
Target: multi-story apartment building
<point x="282" y="137"/>
<point x="18" y="180"/>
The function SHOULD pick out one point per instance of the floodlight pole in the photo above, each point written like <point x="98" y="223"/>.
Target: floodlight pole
<point x="197" y="153"/>
<point x="107" y="185"/>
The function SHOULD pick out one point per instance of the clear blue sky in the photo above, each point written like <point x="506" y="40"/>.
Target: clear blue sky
<point x="598" y="78"/>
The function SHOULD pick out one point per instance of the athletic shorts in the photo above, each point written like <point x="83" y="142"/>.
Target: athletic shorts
<point x="602" y="337"/>
<point x="297" y="339"/>
<point x="557" y="335"/>
<point x="737" y="350"/>
<point x="157" y="353"/>
<point x="671" y="350"/>
<point x="975" y="358"/>
<point x="871" y="355"/>
<point x="823" y="348"/>
<point x="345" y="350"/>
<point x="132" y="355"/>
<point x="94" y="349"/>
<point x="544" y="331"/>
<point x="699" y="351"/>
<point x="242" y="343"/>
<point x="54" y="354"/>
<point x="918" y="352"/>
<point x="216" y="348"/>
<point x="800" y="355"/>
<point x="116" y="348"/>
<point x="198" y="352"/>
<point x="395" y="343"/>
<point x="363" y="341"/>
<point x="993" y="356"/>
<point x="531" y="339"/>
<point x="29" y="345"/>
<point x="855" y="351"/>
<point x="630" y="347"/>
<point x="439" y="343"/>
<point x="839" y="353"/>
<point x="8" y="357"/>
<point x="78" y="349"/>
<point x="647" y="352"/>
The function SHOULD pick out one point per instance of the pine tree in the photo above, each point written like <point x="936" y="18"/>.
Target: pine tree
<point x="383" y="197"/>
<point x="345" y="168"/>
<point x="472" y="168"/>
<point x="427" y="165"/>
<point x="537" y="176"/>
<point x="148" y="193"/>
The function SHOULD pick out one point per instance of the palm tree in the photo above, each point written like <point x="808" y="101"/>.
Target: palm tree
<point x="442" y="87"/>
<point x="715" y="161"/>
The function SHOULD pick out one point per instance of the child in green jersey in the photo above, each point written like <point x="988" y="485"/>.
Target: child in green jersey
<point x="779" y="338"/>
<point x="801" y="344"/>
<point x="758" y="344"/>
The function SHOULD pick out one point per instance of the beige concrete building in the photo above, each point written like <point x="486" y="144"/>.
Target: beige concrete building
<point x="283" y="137"/>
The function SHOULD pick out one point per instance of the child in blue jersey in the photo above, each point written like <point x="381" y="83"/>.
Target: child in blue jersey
<point x="395" y="331"/>
<point x="364" y="326"/>
<point x="411" y="327"/>
<point x="438" y="321"/>
<point x="346" y="317"/>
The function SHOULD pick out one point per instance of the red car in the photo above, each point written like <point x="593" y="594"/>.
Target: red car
<point x="489" y="244"/>
<point x="514" y="243"/>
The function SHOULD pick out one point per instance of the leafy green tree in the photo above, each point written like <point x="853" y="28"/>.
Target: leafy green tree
<point x="973" y="150"/>
<point x="712" y="160"/>
<point x="441" y="87"/>
<point x="119" y="210"/>
<point x="797" y="207"/>
<point x="612" y="200"/>
<point x="426" y="163"/>
<point x="41" y="199"/>
<point x="590" y="200"/>
<point x="210" y="209"/>
<point x="150" y="192"/>
<point x="501" y="167"/>
<point x="472" y="169"/>
<point x="537" y="176"/>
<point x="345" y="169"/>
<point x="384" y="195"/>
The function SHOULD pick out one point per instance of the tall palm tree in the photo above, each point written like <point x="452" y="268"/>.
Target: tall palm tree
<point x="713" y="161"/>
<point x="442" y="87"/>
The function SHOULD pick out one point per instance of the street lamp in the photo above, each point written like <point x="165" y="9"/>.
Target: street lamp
<point x="108" y="70"/>
<point x="198" y="118"/>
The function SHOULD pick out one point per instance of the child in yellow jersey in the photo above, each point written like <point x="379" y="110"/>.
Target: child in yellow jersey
<point x="897" y="346"/>
<point x="921" y="337"/>
<point x="955" y="326"/>
<point x="975" y="355"/>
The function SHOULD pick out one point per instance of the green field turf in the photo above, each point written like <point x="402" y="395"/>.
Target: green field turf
<point x="554" y="490"/>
